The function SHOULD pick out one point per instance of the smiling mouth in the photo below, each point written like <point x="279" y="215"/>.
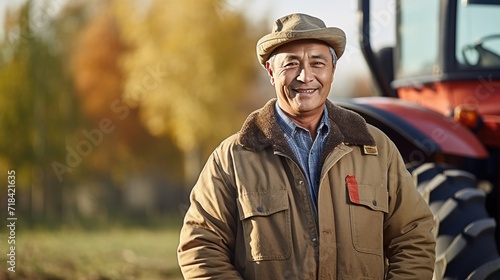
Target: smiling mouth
<point x="306" y="91"/>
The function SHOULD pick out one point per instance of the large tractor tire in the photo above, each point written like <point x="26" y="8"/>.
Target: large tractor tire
<point x="465" y="234"/>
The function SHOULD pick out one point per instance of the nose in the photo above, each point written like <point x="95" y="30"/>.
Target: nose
<point x="305" y="74"/>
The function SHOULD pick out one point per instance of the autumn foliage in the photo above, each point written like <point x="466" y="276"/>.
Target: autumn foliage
<point x="111" y="96"/>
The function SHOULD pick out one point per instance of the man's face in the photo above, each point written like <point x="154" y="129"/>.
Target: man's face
<point x="302" y="74"/>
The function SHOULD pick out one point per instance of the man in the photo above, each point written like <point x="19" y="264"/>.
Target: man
<point x="306" y="189"/>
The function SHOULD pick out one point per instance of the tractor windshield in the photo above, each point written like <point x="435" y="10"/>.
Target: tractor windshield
<point x="478" y="34"/>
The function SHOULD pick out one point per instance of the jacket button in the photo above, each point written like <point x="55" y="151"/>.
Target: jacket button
<point x="260" y="209"/>
<point x="314" y="239"/>
<point x="301" y="182"/>
<point x="374" y="202"/>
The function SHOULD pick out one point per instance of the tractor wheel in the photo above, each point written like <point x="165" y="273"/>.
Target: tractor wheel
<point x="465" y="234"/>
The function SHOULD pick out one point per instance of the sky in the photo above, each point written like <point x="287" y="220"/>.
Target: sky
<point x="338" y="13"/>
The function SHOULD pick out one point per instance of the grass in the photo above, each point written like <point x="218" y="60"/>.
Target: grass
<point x="118" y="253"/>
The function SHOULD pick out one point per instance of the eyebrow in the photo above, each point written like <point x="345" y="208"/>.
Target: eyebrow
<point x="314" y="56"/>
<point x="321" y="56"/>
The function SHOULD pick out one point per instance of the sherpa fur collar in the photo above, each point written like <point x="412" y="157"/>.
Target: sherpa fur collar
<point x="261" y="130"/>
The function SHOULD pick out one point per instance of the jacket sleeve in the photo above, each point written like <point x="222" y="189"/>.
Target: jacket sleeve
<point x="409" y="242"/>
<point x="207" y="236"/>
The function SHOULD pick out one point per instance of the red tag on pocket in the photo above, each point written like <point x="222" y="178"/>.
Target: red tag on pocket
<point x="352" y="187"/>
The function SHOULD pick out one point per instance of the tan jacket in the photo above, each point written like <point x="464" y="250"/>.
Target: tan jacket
<point x="251" y="215"/>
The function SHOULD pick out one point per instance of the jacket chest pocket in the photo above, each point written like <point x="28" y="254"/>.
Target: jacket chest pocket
<point x="265" y="218"/>
<point x="368" y="206"/>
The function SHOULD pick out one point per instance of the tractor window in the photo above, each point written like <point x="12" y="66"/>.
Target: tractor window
<point x="478" y="34"/>
<point x="418" y="37"/>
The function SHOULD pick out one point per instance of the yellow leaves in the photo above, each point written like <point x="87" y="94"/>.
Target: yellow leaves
<point x="189" y="67"/>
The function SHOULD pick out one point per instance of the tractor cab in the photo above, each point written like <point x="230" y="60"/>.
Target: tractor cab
<point x="450" y="62"/>
<point x="447" y="58"/>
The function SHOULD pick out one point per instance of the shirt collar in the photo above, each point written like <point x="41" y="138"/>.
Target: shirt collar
<point x="290" y="127"/>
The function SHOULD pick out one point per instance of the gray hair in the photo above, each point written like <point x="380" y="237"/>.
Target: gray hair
<point x="334" y="55"/>
<point x="332" y="51"/>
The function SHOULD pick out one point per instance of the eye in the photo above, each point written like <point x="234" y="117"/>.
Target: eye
<point x="290" y="64"/>
<point x="318" y="64"/>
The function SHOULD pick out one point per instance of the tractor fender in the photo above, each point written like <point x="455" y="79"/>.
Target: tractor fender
<point x="428" y="130"/>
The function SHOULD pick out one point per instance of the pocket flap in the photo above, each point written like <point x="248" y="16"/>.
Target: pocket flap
<point x="262" y="203"/>
<point x="370" y="196"/>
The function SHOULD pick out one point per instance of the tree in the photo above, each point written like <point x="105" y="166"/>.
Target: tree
<point x="99" y="84"/>
<point x="37" y="106"/>
<point x="190" y="70"/>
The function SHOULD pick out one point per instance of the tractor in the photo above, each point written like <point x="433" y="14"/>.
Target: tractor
<point x="440" y="104"/>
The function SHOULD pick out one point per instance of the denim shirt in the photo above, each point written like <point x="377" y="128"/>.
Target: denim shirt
<point x="306" y="150"/>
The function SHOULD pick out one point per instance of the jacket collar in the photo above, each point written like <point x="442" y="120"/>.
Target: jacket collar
<point x="261" y="130"/>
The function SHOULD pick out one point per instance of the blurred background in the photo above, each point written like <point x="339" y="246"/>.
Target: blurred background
<point x="109" y="109"/>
